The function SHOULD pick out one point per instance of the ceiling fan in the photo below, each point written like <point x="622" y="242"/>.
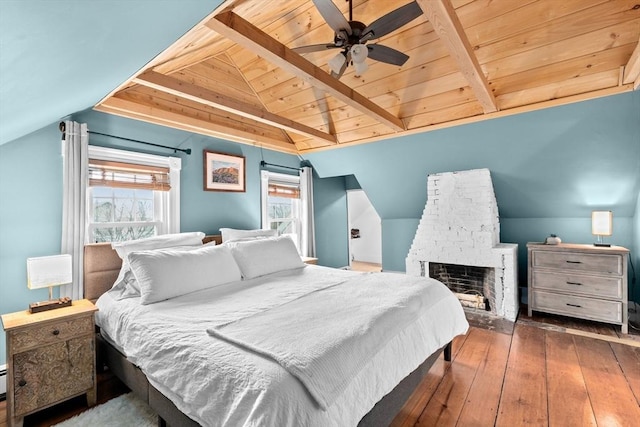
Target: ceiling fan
<point x="351" y="37"/>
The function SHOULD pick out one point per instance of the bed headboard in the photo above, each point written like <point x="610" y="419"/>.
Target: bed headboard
<point x="102" y="265"/>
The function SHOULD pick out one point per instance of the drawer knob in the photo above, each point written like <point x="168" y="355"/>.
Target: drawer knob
<point x="574" y="283"/>
<point x="574" y="262"/>
<point x="574" y="305"/>
<point x="22" y="383"/>
<point x="56" y="332"/>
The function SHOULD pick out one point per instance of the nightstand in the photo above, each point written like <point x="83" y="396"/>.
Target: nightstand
<point x="309" y="260"/>
<point x="50" y="358"/>
<point x="583" y="281"/>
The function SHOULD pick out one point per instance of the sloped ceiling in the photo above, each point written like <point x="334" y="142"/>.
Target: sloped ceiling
<point x="226" y="69"/>
<point x="235" y="75"/>
<point x="60" y="57"/>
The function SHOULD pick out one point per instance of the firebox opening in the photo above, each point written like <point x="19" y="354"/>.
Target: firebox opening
<point x="474" y="286"/>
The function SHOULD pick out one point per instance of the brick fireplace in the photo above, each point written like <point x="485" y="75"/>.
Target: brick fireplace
<point x="458" y="243"/>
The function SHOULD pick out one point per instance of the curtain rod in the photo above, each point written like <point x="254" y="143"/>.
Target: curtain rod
<point x="187" y="150"/>
<point x="62" y="128"/>
<point x="263" y="164"/>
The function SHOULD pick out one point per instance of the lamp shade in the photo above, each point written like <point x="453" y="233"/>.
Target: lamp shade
<point x="359" y="53"/>
<point x="46" y="271"/>
<point x="602" y="223"/>
<point x="336" y="63"/>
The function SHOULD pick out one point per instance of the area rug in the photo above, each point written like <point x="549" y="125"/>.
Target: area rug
<point x="125" y="410"/>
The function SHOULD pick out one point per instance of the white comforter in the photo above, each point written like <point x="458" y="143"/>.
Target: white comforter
<point x="217" y="383"/>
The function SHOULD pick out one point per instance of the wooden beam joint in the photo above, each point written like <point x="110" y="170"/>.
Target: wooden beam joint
<point x="245" y="34"/>
<point x="217" y="100"/>
<point x="632" y="69"/>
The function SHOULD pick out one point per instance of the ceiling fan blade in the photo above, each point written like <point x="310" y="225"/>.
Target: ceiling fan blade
<point x="314" y="48"/>
<point x="386" y="54"/>
<point x="333" y="16"/>
<point x="391" y="21"/>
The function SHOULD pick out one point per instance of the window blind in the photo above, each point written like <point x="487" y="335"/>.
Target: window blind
<point x="128" y="175"/>
<point x="283" y="190"/>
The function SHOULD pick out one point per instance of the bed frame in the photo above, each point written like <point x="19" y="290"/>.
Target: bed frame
<point x="101" y="268"/>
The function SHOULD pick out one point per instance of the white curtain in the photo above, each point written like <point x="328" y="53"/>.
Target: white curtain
<point x="308" y="243"/>
<point x="75" y="149"/>
<point x="264" y="194"/>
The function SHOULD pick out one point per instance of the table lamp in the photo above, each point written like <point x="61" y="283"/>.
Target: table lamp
<point x="601" y="225"/>
<point x="49" y="271"/>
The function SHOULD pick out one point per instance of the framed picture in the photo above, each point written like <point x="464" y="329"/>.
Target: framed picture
<point x="223" y="172"/>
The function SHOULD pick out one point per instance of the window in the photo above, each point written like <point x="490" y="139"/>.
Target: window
<point x="131" y="195"/>
<point x="282" y="205"/>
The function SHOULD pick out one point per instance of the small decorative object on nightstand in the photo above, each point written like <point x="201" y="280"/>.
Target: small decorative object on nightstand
<point x="582" y="281"/>
<point x="50" y="358"/>
<point x="47" y="272"/>
<point x="552" y="240"/>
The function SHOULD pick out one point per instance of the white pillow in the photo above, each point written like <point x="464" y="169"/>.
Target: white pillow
<point x="231" y="234"/>
<point x="157" y="242"/>
<point x="265" y="256"/>
<point x="167" y="273"/>
<point x="126" y="285"/>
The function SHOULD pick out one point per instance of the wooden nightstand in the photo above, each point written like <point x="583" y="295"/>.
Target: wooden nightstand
<point x="50" y="358"/>
<point x="581" y="281"/>
<point x="309" y="260"/>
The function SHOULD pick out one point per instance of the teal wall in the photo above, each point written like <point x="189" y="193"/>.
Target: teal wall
<point x="550" y="169"/>
<point x="635" y="256"/>
<point x="30" y="214"/>
<point x="31" y="194"/>
<point x="79" y="53"/>
<point x="331" y="221"/>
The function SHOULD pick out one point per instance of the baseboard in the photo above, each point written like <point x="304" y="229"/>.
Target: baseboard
<point x="3" y="382"/>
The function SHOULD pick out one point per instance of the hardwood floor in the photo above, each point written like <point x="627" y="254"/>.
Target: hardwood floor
<point x="536" y="377"/>
<point x="550" y="372"/>
<point x="365" y="266"/>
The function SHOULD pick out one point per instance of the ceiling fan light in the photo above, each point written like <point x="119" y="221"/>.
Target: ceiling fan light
<point x="336" y="63"/>
<point x="360" y="68"/>
<point x="359" y="53"/>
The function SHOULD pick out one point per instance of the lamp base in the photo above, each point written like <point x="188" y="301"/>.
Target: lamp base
<point x="37" y="307"/>
<point x="602" y="245"/>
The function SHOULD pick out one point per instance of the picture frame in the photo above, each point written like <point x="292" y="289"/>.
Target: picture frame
<point x="224" y="172"/>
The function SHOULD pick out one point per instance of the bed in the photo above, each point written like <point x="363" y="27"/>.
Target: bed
<point x="204" y="371"/>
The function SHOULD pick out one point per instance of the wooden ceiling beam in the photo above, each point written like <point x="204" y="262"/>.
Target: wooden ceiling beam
<point x="632" y="69"/>
<point x="175" y="120"/>
<point x="217" y="100"/>
<point x="235" y="28"/>
<point x="446" y="24"/>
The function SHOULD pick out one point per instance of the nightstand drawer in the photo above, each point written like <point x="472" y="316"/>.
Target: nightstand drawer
<point x="49" y="333"/>
<point x="597" y="263"/>
<point x="584" y="308"/>
<point x="598" y="286"/>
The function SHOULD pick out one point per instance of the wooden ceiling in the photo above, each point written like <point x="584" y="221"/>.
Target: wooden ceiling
<point x="234" y="75"/>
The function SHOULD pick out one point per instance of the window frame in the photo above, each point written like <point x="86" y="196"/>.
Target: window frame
<point x="284" y="179"/>
<point x="167" y="201"/>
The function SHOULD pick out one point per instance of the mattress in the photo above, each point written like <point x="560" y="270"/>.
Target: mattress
<point x="217" y="383"/>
